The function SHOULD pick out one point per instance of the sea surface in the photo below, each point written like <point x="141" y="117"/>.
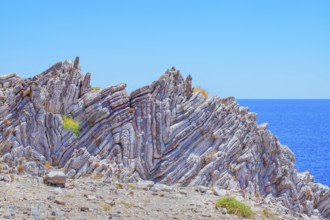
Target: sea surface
<point x="302" y="125"/>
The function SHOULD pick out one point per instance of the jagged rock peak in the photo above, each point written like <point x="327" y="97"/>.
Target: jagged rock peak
<point x="162" y="132"/>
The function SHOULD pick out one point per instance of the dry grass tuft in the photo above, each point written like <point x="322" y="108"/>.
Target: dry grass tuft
<point x="132" y="185"/>
<point x="308" y="194"/>
<point x="12" y="178"/>
<point x="164" y="76"/>
<point x="208" y="158"/>
<point x="127" y="204"/>
<point x="106" y="207"/>
<point x="21" y="159"/>
<point x="202" y="91"/>
<point x="98" y="176"/>
<point x="48" y="166"/>
<point x="7" y="122"/>
<point x="267" y="214"/>
<point x="68" y="196"/>
<point x="20" y="168"/>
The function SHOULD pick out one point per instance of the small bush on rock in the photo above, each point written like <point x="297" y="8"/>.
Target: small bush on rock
<point x="96" y="88"/>
<point x="98" y="176"/>
<point x="202" y="91"/>
<point x="20" y="168"/>
<point x="69" y="123"/>
<point x="234" y="207"/>
<point x="48" y="166"/>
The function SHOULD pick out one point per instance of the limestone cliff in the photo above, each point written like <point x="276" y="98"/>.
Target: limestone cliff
<point x="163" y="132"/>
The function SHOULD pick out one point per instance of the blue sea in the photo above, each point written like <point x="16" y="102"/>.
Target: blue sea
<point x="304" y="126"/>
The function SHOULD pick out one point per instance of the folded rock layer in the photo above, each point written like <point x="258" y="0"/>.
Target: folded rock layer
<point x="163" y="132"/>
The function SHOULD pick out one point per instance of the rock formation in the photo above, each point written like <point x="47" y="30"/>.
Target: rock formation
<point x="163" y="132"/>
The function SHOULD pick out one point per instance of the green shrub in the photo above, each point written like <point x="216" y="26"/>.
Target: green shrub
<point x="96" y="88"/>
<point x="234" y="207"/>
<point x="69" y="123"/>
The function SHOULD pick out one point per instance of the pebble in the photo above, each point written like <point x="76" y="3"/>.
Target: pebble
<point x="183" y="192"/>
<point x="56" y="191"/>
<point x="84" y="209"/>
<point x="59" y="202"/>
<point x="91" y="197"/>
<point x="51" y="197"/>
<point x="110" y="202"/>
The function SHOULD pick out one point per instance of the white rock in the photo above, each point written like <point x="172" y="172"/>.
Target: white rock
<point x="201" y="189"/>
<point x="55" y="177"/>
<point x="145" y="184"/>
<point x="161" y="187"/>
<point x="219" y="192"/>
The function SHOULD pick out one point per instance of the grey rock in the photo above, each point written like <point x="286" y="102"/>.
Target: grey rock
<point x="110" y="202"/>
<point x="32" y="168"/>
<point x="183" y="192"/>
<point x="71" y="173"/>
<point x="5" y="178"/>
<point x="162" y="187"/>
<point x="239" y="198"/>
<point x="4" y="167"/>
<point x="91" y="197"/>
<point x="55" y="177"/>
<point x="146" y="185"/>
<point x="201" y="189"/>
<point x="219" y="192"/>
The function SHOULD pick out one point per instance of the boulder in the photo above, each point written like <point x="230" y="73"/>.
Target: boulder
<point x="32" y="168"/>
<point x="219" y="192"/>
<point x="55" y="177"/>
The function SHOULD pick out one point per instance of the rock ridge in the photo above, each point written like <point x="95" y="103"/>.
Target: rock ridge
<point x="164" y="132"/>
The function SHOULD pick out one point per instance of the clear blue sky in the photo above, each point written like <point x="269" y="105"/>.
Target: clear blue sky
<point x="246" y="49"/>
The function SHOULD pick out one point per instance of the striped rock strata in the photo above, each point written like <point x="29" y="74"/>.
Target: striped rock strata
<point x="163" y="132"/>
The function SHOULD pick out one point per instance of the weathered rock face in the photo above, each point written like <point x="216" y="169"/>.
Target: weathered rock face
<point x="163" y="132"/>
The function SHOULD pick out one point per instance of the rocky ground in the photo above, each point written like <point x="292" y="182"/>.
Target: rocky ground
<point x="27" y="197"/>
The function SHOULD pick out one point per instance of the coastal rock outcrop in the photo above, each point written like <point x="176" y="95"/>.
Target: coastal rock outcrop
<point x="164" y="132"/>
